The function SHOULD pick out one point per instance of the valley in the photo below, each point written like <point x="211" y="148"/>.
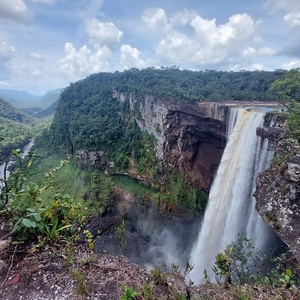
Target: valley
<point x="141" y="149"/>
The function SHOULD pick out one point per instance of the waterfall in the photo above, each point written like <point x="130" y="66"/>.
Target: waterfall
<point x="231" y="207"/>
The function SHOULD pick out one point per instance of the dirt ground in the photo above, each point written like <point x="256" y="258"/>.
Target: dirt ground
<point x="73" y="271"/>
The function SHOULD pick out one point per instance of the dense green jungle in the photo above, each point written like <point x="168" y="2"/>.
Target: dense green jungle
<point x="89" y="117"/>
<point x="52" y="192"/>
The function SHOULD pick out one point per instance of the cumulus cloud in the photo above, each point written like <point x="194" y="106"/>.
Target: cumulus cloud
<point x="130" y="57"/>
<point x="293" y="19"/>
<point x="14" y="10"/>
<point x="209" y="43"/>
<point x="78" y="63"/>
<point x="291" y="65"/>
<point x="252" y="52"/>
<point x="156" y="20"/>
<point x="102" y="33"/>
<point x="290" y="9"/>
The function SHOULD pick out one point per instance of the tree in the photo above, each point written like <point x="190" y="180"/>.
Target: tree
<point x="287" y="89"/>
<point x="287" y="92"/>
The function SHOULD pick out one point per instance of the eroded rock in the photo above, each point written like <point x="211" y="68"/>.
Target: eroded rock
<point x="278" y="201"/>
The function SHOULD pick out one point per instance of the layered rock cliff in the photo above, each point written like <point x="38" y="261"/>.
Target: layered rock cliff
<point x="278" y="192"/>
<point x="190" y="137"/>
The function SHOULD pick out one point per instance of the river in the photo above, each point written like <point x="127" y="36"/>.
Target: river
<point x="25" y="150"/>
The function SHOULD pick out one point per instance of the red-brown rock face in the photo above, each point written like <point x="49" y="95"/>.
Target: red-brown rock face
<point x="195" y="144"/>
<point x="190" y="137"/>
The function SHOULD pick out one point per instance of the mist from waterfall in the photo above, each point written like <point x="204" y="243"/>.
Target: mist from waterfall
<point x="231" y="208"/>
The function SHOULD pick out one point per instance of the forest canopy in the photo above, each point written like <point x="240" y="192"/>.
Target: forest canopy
<point x="89" y="117"/>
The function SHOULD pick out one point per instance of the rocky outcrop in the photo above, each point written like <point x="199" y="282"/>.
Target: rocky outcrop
<point x="190" y="137"/>
<point x="273" y="134"/>
<point x="150" y="115"/>
<point x="195" y="143"/>
<point x="89" y="158"/>
<point x="278" y="190"/>
<point x="278" y="202"/>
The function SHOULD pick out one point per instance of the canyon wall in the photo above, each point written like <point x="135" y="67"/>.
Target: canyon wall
<point x="278" y="192"/>
<point x="190" y="137"/>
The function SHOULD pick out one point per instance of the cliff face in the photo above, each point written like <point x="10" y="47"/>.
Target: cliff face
<point x="278" y="197"/>
<point x="190" y="137"/>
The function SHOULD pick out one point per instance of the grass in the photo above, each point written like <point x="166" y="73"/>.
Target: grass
<point x="133" y="186"/>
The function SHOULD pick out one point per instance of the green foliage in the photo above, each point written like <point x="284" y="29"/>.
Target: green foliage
<point x="120" y="229"/>
<point x="81" y="285"/>
<point x="286" y="278"/>
<point x="237" y="262"/>
<point x="95" y="113"/>
<point x="242" y="263"/>
<point x="90" y="187"/>
<point x="16" y="128"/>
<point x="287" y="91"/>
<point x="294" y="120"/>
<point x="31" y="217"/>
<point x="183" y="195"/>
<point x="148" y="291"/>
<point x="89" y="239"/>
<point x="129" y="293"/>
<point x="147" y="161"/>
<point x="180" y="297"/>
<point x="159" y="277"/>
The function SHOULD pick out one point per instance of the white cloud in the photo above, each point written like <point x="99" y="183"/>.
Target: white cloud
<point x="130" y="57"/>
<point x="292" y="19"/>
<point x="6" y="50"/>
<point x="291" y="65"/>
<point x="14" y="10"/>
<point x="156" y="20"/>
<point x="90" y="9"/>
<point x="102" y="33"/>
<point x="37" y="56"/>
<point x="209" y="43"/>
<point x="282" y="5"/>
<point x="37" y="72"/>
<point x="43" y="1"/>
<point x="290" y="9"/>
<point x="252" y="52"/>
<point x="257" y="67"/>
<point x="82" y="62"/>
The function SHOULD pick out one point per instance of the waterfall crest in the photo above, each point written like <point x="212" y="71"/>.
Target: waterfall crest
<point x="231" y="207"/>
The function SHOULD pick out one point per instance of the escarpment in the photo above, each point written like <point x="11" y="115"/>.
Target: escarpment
<point x="190" y="137"/>
<point x="278" y="194"/>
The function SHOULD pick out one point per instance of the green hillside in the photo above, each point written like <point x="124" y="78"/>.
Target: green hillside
<point x="89" y="117"/>
<point x="16" y="128"/>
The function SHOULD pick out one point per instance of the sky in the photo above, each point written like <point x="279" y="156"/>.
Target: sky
<point x="47" y="44"/>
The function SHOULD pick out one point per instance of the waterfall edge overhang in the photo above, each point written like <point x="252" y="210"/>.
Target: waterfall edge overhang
<point x="191" y="137"/>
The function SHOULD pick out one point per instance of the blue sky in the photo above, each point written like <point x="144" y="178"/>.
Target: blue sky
<point x="46" y="44"/>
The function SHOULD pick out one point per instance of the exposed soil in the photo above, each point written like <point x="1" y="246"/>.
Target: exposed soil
<point x="64" y="271"/>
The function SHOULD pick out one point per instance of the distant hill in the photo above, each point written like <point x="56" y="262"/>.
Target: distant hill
<point x="48" y="111"/>
<point x="29" y="102"/>
<point x="7" y="111"/>
<point x="19" y="99"/>
<point x="16" y="127"/>
<point x="50" y="98"/>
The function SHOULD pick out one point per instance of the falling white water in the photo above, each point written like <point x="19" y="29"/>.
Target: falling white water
<point x="231" y="208"/>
